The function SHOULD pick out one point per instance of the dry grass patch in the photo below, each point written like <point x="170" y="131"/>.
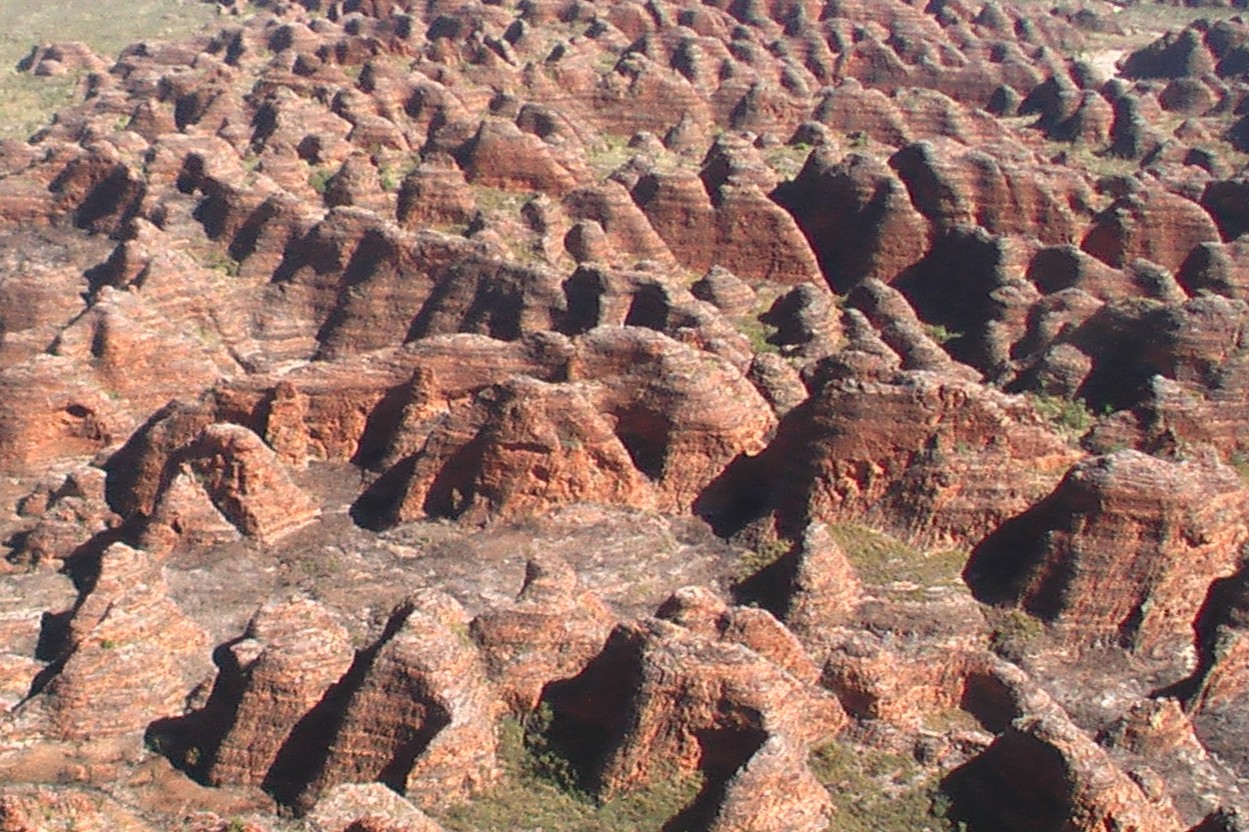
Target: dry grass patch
<point x="27" y="102"/>
<point x="885" y="561"/>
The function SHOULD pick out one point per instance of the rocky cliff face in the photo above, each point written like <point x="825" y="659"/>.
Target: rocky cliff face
<point x="1069" y="784"/>
<point x="919" y="451"/>
<point x="1155" y="555"/>
<point x="551" y="632"/>
<point x="422" y="718"/>
<point x="129" y="654"/>
<point x="291" y="655"/>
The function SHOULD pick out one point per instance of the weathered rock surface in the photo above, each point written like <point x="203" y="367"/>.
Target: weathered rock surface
<point x="372" y="806"/>
<point x="1160" y="227"/>
<point x="859" y="217"/>
<point x="550" y="633"/>
<point x="290" y="656"/>
<point x="1158" y="533"/>
<point x="422" y="719"/>
<point x="521" y="448"/>
<point x="68" y="514"/>
<point x="699" y="610"/>
<point x="1056" y="778"/>
<point x="823" y="587"/>
<point x="774" y="790"/>
<point x="29" y="810"/>
<point x="920" y="452"/>
<point x="130" y="656"/>
<point x="696" y="703"/>
<point x="185" y="476"/>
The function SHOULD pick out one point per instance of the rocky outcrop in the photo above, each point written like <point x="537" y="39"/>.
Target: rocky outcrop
<point x="1058" y="268"/>
<point x="1044" y="773"/>
<point x="858" y="216"/>
<point x="992" y="188"/>
<point x="27" y="809"/>
<point x="52" y="59"/>
<point x="679" y="209"/>
<point x="421" y="720"/>
<point x="1094" y="352"/>
<point x="725" y="291"/>
<point x="699" y="610"/>
<point x="372" y="807"/>
<point x="521" y="448"/>
<point x="436" y="193"/>
<point x="357" y="183"/>
<point x="1218" y="683"/>
<point x="374" y="406"/>
<point x="501" y="156"/>
<point x="1178" y="54"/>
<point x="903" y="686"/>
<point x="696" y="703"/>
<point x="1157" y="226"/>
<point x="51" y="413"/>
<point x="823" y="588"/>
<point x="287" y="660"/>
<point x="136" y="472"/>
<point x="1156" y="729"/>
<point x="657" y="423"/>
<point x="224" y="479"/>
<point x="550" y="633"/>
<point x="807" y="322"/>
<point x="627" y="235"/>
<point x="724" y="217"/>
<point x="922" y="453"/>
<point x="247" y="483"/>
<point x="917" y="345"/>
<point x="721" y="689"/>
<point x="1224" y="199"/>
<point x="774" y="790"/>
<point x="67" y="514"/>
<point x="130" y="655"/>
<point x="1122" y="552"/>
<point x="758" y="239"/>
<point x="682" y="414"/>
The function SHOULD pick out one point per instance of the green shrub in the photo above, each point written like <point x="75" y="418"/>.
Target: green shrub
<point x="608" y="152"/>
<point x="543" y="757"/>
<point x="881" y="559"/>
<point x="389" y="179"/>
<point x="390" y="175"/>
<point x="940" y="333"/>
<point x="540" y="790"/>
<point x="758" y="333"/>
<point x="320" y="178"/>
<point x="489" y="198"/>
<point x="787" y="160"/>
<point x="1014" y="633"/>
<point x="877" y="791"/>
<point x="1071" y="416"/>
<point x="761" y="556"/>
<point x="222" y="262"/>
<point x="1240" y="462"/>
